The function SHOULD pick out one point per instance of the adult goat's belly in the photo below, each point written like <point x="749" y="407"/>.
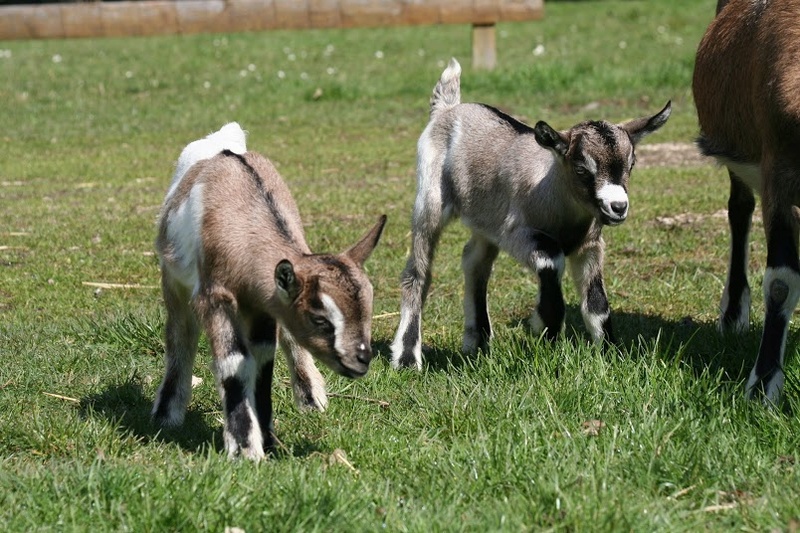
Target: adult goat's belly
<point x="749" y="173"/>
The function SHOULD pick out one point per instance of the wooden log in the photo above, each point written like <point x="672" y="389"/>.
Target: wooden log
<point x="121" y="19"/>
<point x="155" y="17"/>
<point x="151" y="17"/>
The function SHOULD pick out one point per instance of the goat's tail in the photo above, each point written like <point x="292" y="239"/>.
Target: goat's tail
<point x="447" y="92"/>
<point x="231" y="137"/>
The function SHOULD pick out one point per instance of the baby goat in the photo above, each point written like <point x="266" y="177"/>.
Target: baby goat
<point x="747" y="92"/>
<point x="536" y="193"/>
<point x="234" y="260"/>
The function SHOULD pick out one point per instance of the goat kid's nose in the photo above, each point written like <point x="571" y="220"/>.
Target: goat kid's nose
<point x="619" y="208"/>
<point x="364" y="353"/>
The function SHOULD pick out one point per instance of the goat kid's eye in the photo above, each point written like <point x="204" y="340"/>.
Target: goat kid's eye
<point x="322" y="323"/>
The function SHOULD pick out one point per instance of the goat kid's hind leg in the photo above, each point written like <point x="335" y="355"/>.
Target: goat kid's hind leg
<point x="586" y="268"/>
<point x="781" y="290"/>
<point x="263" y="339"/>
<point x="308" y="385"/>
<point x="182" y="335"/>
<point x="235" y="370"/>
<point x="429" y="218"/>
<point x="735" y="303"/>
<point x="476" y="262"/>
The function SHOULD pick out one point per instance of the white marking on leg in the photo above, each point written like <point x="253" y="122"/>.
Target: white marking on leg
<point x="263" y="352"/>
<point x="242" y="368"/>
<point x="742" y="324"/>
<point x="536" y="322"/>
<point x="398" y="346"/>
<point x="594" y="324"/>
<point x="545" y="262"/>
<point x="235" y="365"/>
<point x="774" y="383"/>
<point x="177" y="403"/>
<point x="792" y="281"/>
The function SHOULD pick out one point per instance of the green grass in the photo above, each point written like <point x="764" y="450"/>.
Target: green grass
<point x="655" y="436"/>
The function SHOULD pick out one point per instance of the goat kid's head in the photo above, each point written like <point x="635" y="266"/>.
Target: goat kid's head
<point x="329" y="304"/>
<point x="599" y="157"/>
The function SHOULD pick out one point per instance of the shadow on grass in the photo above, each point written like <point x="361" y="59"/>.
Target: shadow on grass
<point x="127" y="406"/>
<point x="697" y="344"/>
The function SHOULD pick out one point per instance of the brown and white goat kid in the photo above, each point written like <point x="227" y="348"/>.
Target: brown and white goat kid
<point x="747" y="92"/>
<point x="539" y="194"/>
<point x="234" y="261"/>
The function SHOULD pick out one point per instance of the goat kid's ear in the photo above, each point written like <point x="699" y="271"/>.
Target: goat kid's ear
<point x="286" y="282"/>
<point x="641" y="127"/>
<point x="550" y="138"/>
<point x="361" y="250"/>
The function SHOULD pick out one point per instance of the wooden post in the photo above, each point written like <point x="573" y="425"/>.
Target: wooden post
<point x="484" y="47"/>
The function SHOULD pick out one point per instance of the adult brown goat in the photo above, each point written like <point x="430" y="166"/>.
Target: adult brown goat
<point x="747" y="92"/>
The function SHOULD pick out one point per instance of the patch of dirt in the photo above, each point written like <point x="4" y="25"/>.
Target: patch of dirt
<point x="671" y="155"/>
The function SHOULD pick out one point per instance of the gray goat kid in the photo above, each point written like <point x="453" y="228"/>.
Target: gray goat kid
<point x="234" y="261"/>
<point x="536" y="193"/>
<point x="747" y="92"/>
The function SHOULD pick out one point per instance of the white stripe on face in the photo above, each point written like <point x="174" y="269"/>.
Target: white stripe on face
<point x="337" y="319"/>
<point x="590" y="164"/>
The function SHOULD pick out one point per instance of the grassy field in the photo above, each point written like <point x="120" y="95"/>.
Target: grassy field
<point x="533" y="436"/>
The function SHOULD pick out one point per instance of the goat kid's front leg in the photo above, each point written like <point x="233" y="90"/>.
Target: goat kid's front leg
<point x="586" y="268"/>
<point x="542" y="254"/>
<point x="781" y="291"/>
<point x="308" y="385"/>
<point x="476" y="262"/>
<point x="263" y="340"/>
<point x="735" y="304"/>
<point x="182" y="335"/>
<point x="235" y="370"/>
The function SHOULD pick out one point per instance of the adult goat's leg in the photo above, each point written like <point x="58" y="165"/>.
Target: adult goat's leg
<point x="735" y="303"/>
<point x="781" y="285"/>
<point x="476" y="262"/>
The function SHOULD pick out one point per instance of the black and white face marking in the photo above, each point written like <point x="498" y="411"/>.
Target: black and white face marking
<point x="353" y="360"/>
<point x="602" y="160"/>
<point x="338" y="318"/>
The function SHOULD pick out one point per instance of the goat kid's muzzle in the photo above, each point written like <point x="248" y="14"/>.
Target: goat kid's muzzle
<point x="613" y="202"/>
